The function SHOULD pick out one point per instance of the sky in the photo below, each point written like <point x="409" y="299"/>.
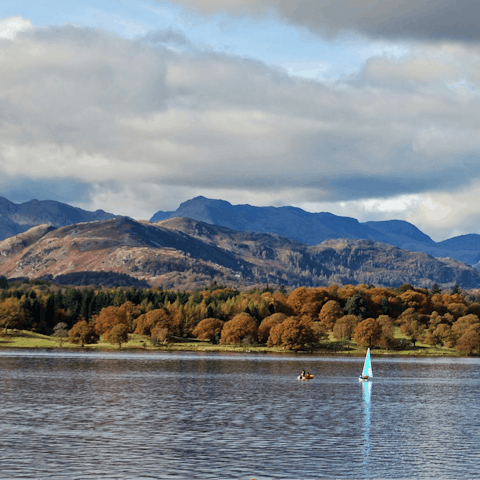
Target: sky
<point x="363" y="108"/>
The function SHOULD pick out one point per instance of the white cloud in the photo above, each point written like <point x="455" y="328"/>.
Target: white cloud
<point x="11" y="25"/>
<point x="446" y="214"/>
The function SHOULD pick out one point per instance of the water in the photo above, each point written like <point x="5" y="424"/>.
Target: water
<point x="114" y="415"/>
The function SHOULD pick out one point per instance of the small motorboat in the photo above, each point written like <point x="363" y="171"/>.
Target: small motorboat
<point x="307" y="376"/>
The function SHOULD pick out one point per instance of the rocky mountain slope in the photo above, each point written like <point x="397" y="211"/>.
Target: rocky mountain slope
<point x="315" y="228"/>
<point x="187" y="254"/>
<point x="16" y="218"/>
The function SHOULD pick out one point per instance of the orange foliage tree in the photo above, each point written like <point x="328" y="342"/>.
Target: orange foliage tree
<point x="11" y="313"/>
<point x="470" y="339"/>
<point x="307" y="301"/>
<point x="387" y="339"/>
<point x="330" y="313"/>
<point x="148" y="321"/>
<point x="82" y="333"/>
<point x="118" y="335"/>
<point x="207" y="328"/>
<point x="241" y="328"/>
<point x="463" y="324"/>
<point x="108" y="318"/>
<point x="267" y="324"/>
<point x="368" y="333"/>
<point x="295" y="333"/>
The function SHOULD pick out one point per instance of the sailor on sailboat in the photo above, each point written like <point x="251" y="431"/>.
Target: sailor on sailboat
<point x="367" y="372"/>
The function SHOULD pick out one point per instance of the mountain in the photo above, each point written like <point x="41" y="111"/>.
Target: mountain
<point x="182" y="253"/>
<point x="17" y="218"/>
<point x="291" y="222"/>
<point x="315" y="228"/>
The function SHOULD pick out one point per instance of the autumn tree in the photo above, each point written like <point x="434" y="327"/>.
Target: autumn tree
<point x="118" y="335"/>
<point x="82" y="333"/>
<point x="295" y="333"/>
<point x="330" y="313"/>
<point x="160" y="334"/>
<point x="416" y="300"/>
<point x="457" y="309"/>
<point x="387" y="339"/>
<point x="241" y="328"/>
<point x="207" y="328"/>
<point x="148" y="321"/>
<point x="12" y="314"/>
<point x="345" y="326"/>
<point x="267" y="324"/>
<point x="439" y="335"/>
<point x="470" y="339"/>
<point x="307" y="301"/>
<point x="413" y="329"/>
<point x="463" y="324"/>
<point x="368" y="333"/>
<point x="108" y="318"/>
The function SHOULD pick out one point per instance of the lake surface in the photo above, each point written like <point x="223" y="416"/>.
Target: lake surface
<point x="178" y="415"/>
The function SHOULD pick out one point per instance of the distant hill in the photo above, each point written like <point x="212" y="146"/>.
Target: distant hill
<point x="16" y="218"/>
<point x="315" y="228"/>
<point x="182" y="253"/>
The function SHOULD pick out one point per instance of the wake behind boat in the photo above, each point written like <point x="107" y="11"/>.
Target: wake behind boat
<point x="367" y="372"/>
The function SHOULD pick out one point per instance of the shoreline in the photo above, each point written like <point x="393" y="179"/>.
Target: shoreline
<point x="238" y="350"/>
<point x="26" y="340"/>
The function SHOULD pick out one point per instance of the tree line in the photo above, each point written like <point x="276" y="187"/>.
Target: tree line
<point x="301" y="319"/>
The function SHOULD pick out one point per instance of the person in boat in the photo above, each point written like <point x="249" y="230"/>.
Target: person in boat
<point x="302" y="375"/>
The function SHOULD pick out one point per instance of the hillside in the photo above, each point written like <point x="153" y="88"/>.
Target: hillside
<point x="187" y="254"/>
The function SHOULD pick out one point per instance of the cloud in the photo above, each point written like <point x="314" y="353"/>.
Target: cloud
<point x="447" y="214"/>
<point x="146" y="127"/>
<point x="431" y="20"/>
<point x="11" y="25"/>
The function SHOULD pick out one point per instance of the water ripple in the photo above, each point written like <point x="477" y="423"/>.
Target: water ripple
<point x="94" y="415"/>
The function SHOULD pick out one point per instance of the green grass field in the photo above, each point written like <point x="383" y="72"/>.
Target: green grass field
<point x="26" y="339"/>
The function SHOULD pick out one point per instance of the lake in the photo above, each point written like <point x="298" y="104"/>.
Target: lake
<point x="182" y="415"/>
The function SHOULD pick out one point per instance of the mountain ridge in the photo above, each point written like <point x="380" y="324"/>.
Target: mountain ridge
<point x="315" y="228"/>
<point x="16" y="218"/>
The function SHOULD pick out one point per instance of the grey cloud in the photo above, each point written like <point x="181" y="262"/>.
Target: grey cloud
<point x="166" y="36"/>
<point x="97" y="109"/>
<point x="431" y="20"/>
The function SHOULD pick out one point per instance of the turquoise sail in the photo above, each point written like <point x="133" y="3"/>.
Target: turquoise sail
<point x="367" y="366"/>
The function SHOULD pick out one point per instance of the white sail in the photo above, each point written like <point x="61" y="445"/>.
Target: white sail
<point x="367" y="366"/>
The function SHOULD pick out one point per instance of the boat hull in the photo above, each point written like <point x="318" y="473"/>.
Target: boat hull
<point x="305" y="377"/>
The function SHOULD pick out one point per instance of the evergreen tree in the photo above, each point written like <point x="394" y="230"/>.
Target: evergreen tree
<point x="50" y="313"/>
<point x="58" y="300"/>
<point x="356" y="305"/>
<point x="386" y="307"/>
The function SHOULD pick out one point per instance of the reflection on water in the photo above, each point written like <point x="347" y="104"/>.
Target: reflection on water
<point x="367" y="397"/>
<point x="99" y="415"/>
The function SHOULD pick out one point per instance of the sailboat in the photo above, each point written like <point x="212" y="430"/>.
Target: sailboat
<point x="367" y="372"/>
